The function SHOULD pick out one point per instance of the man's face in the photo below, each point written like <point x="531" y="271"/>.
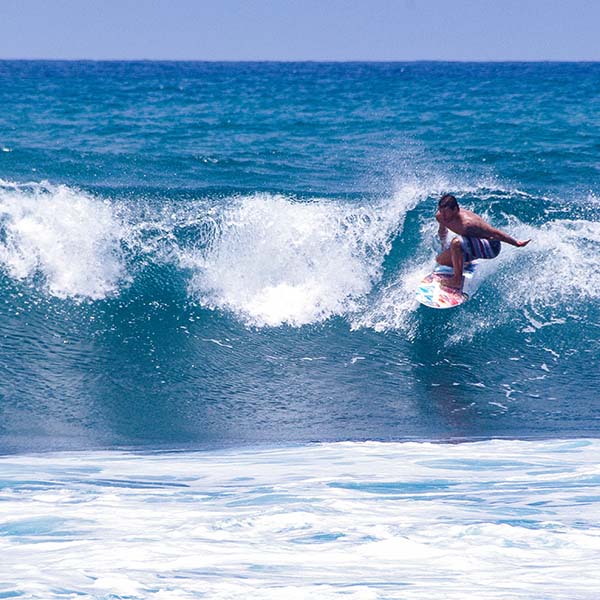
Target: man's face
<point x="445" y="214"/>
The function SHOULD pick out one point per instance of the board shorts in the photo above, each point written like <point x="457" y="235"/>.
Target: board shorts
<point x="473" y="248"/>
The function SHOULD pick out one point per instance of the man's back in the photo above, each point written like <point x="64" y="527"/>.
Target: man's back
<point x="468" y="223"/>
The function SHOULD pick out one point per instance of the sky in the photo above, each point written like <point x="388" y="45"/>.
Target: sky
<point x="288" y="30"/>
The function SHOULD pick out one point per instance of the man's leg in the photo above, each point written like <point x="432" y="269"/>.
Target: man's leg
<point x="445" y="258"/>
<point x="453" y="257"/>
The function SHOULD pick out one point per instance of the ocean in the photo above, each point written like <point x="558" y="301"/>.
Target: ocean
<point x="216" y="381"/>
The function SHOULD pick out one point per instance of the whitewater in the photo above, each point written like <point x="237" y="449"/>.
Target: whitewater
<point x="363" y="521"/>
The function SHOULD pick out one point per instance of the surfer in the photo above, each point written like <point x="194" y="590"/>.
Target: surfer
<point x="478" y="239"/>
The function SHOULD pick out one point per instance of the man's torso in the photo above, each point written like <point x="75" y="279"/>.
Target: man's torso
<point x="468" y="224"/>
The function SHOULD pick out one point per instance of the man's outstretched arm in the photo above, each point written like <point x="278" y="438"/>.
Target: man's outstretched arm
<point x="507" y="239"/>
<point x="484" y="230"/>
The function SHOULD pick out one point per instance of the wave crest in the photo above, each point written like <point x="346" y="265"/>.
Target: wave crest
<point x="279" y="261"/>
<point x="69" y="238"/>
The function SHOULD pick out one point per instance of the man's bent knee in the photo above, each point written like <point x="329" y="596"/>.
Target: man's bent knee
<point x="444" y="258"/>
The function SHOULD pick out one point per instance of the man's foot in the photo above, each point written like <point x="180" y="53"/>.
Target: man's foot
<point x="451" y="284"/>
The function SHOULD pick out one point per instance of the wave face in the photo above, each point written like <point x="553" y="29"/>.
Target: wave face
<point x="196" y="254"/>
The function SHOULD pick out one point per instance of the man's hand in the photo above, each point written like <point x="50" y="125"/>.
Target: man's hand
<point x="521" y="244"/>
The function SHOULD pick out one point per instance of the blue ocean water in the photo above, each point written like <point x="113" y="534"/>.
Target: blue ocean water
<point x="201" y="253"/>
<point x="213" y="365"/>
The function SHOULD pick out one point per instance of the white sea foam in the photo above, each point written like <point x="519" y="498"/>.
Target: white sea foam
<point x="486" y="520"/>
<point x="68" y="237"/>
<point x="560" y="264"/>
<point x="280" y="261"/>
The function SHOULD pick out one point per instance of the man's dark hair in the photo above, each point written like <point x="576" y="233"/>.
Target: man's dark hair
<point x="448" y="201"/>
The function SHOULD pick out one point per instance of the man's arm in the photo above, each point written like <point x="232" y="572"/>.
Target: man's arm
<point x="484" y="230"/>
<point x="507" y="239"/>
<point x="442" y="232"/>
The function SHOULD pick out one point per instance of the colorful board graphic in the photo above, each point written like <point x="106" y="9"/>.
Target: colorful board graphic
<point x="432" y="293"/>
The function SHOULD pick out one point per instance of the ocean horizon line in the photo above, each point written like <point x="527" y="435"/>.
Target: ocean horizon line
<point x="303" y="61"/>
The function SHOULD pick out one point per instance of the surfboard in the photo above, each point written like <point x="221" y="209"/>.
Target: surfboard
<point x="431" y="293"/>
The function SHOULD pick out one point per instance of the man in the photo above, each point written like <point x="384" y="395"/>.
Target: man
<point x="478" y="239"/>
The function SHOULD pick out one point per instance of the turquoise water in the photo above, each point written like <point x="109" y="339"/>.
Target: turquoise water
<point x="220" y="254"/>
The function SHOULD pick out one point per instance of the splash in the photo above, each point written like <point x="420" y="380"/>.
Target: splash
<point x="69" y="238"/>
<point x="559" y="267"/>
<point x="552" y="279"/>
<point x="279" y="261"/>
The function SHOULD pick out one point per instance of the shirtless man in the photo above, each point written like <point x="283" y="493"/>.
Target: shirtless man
<point x="477" y="238"/>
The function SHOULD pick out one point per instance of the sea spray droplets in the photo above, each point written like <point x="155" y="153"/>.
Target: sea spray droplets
<point x="70" y="238"/>
<point x="278" y="261"/>
<point x="559" y="265"/>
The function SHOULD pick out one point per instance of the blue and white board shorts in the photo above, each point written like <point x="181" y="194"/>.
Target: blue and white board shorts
<point x="473" y="248"/>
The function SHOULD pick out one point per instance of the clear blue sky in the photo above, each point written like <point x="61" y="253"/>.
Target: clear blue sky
<point x="301" y="29"/>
